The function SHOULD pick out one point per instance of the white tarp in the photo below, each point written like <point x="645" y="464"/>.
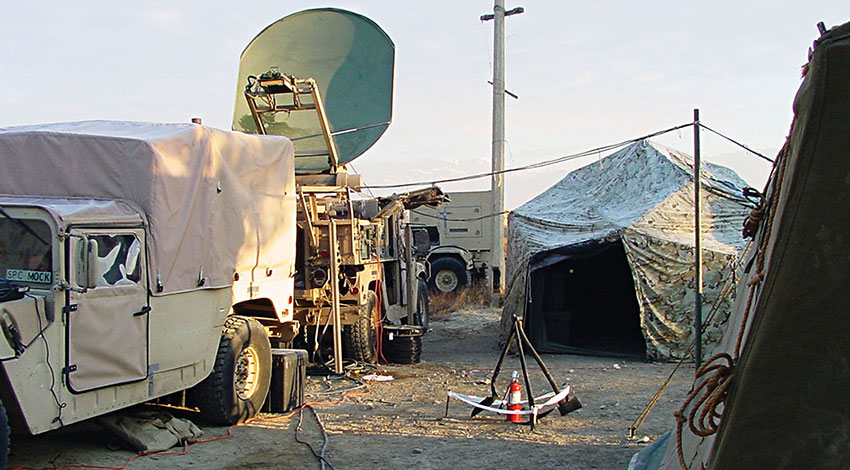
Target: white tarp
<point x="642" y="196"/>
<point x="216" y="201"/>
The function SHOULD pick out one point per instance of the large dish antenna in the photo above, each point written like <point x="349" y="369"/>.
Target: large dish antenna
<point x="351" y="60"/>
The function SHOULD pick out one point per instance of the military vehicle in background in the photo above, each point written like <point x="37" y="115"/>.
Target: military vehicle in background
<point x="461" y="237"/>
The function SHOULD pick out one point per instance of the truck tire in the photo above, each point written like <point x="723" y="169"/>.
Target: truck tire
<point x="360" y="340"/>
<point x="448" y="275"/>
<point x="4" y="436"/>
<point x="422" y="314"/>
<point x="239" y="382"/>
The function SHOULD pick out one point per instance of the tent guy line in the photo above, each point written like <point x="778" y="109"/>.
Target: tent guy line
<point x="562" y="159"/>
<point x="737" y="143"/>
<point x="542" y="164"/>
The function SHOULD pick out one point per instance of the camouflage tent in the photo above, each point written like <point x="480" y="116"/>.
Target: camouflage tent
<point x="603" y="261"/>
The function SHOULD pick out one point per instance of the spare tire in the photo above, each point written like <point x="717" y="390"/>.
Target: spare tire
<point x="448" y="274"/>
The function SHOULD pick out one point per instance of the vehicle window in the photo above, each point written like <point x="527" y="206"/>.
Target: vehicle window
<point x="25" y="251"/>
<point x="118" y="260"/>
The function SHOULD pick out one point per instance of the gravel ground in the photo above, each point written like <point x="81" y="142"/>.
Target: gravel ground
<point x="401" y="423"/>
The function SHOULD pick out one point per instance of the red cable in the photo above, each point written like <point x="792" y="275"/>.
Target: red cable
<point x="379" y="300"/>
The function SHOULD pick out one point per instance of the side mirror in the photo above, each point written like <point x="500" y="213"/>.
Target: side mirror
<point x="92" y="275"/>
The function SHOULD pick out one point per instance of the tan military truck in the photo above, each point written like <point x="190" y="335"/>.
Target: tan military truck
<point x="140" y="260"/>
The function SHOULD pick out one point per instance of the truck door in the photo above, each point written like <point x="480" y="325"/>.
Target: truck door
<point x="107" y="325"/>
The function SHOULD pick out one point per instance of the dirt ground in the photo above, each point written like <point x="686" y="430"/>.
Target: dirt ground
<point x="401" y="424"/>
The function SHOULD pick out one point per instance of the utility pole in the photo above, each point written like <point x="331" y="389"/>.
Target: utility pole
<point x="497" y="183"/>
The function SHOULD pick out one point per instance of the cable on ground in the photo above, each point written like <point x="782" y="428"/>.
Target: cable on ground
<point x="346" y="394"/>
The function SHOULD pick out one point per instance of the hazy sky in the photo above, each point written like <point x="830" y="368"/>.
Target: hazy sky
<point x="587" y="74"/>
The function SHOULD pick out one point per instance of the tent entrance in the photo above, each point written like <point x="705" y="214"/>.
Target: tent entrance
<point x="583" y="301"/>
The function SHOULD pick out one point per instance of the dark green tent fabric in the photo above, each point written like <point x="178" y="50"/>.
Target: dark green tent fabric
<point x="787" y="407"/>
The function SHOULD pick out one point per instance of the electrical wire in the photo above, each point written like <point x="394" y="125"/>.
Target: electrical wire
<point x="354" y="170"/>
<point x="562" y="159"/>
<point x="320" y="454"/>
<point x="60" y="405"/>
<point x="471" y="219"/>
<point x="41" y="329"/>
<point x="360" y="385"/>
<point x="227" y="435"/>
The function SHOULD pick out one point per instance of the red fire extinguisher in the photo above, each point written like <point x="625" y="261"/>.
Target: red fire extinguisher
<point x="514" y="399"/>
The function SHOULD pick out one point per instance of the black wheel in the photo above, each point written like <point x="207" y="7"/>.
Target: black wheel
<point x="448" y="275"/>
<point x="422" y="314"/>
<point x="360" y="340"/>
<point x="239" y="382"/>
<point x="4" y="436"/>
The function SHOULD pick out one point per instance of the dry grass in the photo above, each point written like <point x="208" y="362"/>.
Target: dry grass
<point x="443" y="304"/>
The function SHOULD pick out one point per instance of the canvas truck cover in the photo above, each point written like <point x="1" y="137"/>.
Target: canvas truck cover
<point x="216" y="202"/>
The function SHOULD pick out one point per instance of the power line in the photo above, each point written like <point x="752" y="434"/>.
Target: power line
<point x="354" y="170"/>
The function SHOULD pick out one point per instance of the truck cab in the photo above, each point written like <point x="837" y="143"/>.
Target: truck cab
<point x="81" y="334"/>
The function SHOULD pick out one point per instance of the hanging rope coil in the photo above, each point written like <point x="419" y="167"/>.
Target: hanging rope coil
<point x="708" y="398"/>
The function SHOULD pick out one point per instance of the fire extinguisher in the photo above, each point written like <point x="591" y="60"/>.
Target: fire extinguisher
<point x="514" y="399"/>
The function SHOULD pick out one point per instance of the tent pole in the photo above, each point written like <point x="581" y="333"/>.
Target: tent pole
<point x="697" y="245"/>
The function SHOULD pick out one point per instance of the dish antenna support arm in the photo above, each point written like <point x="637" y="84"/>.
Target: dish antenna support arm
<point x="262" y="96"/>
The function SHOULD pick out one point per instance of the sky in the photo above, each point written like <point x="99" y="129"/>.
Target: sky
<point x="587" y="74"/>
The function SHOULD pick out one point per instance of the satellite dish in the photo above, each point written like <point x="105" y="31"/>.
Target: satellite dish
<point x="351" y="59"/>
